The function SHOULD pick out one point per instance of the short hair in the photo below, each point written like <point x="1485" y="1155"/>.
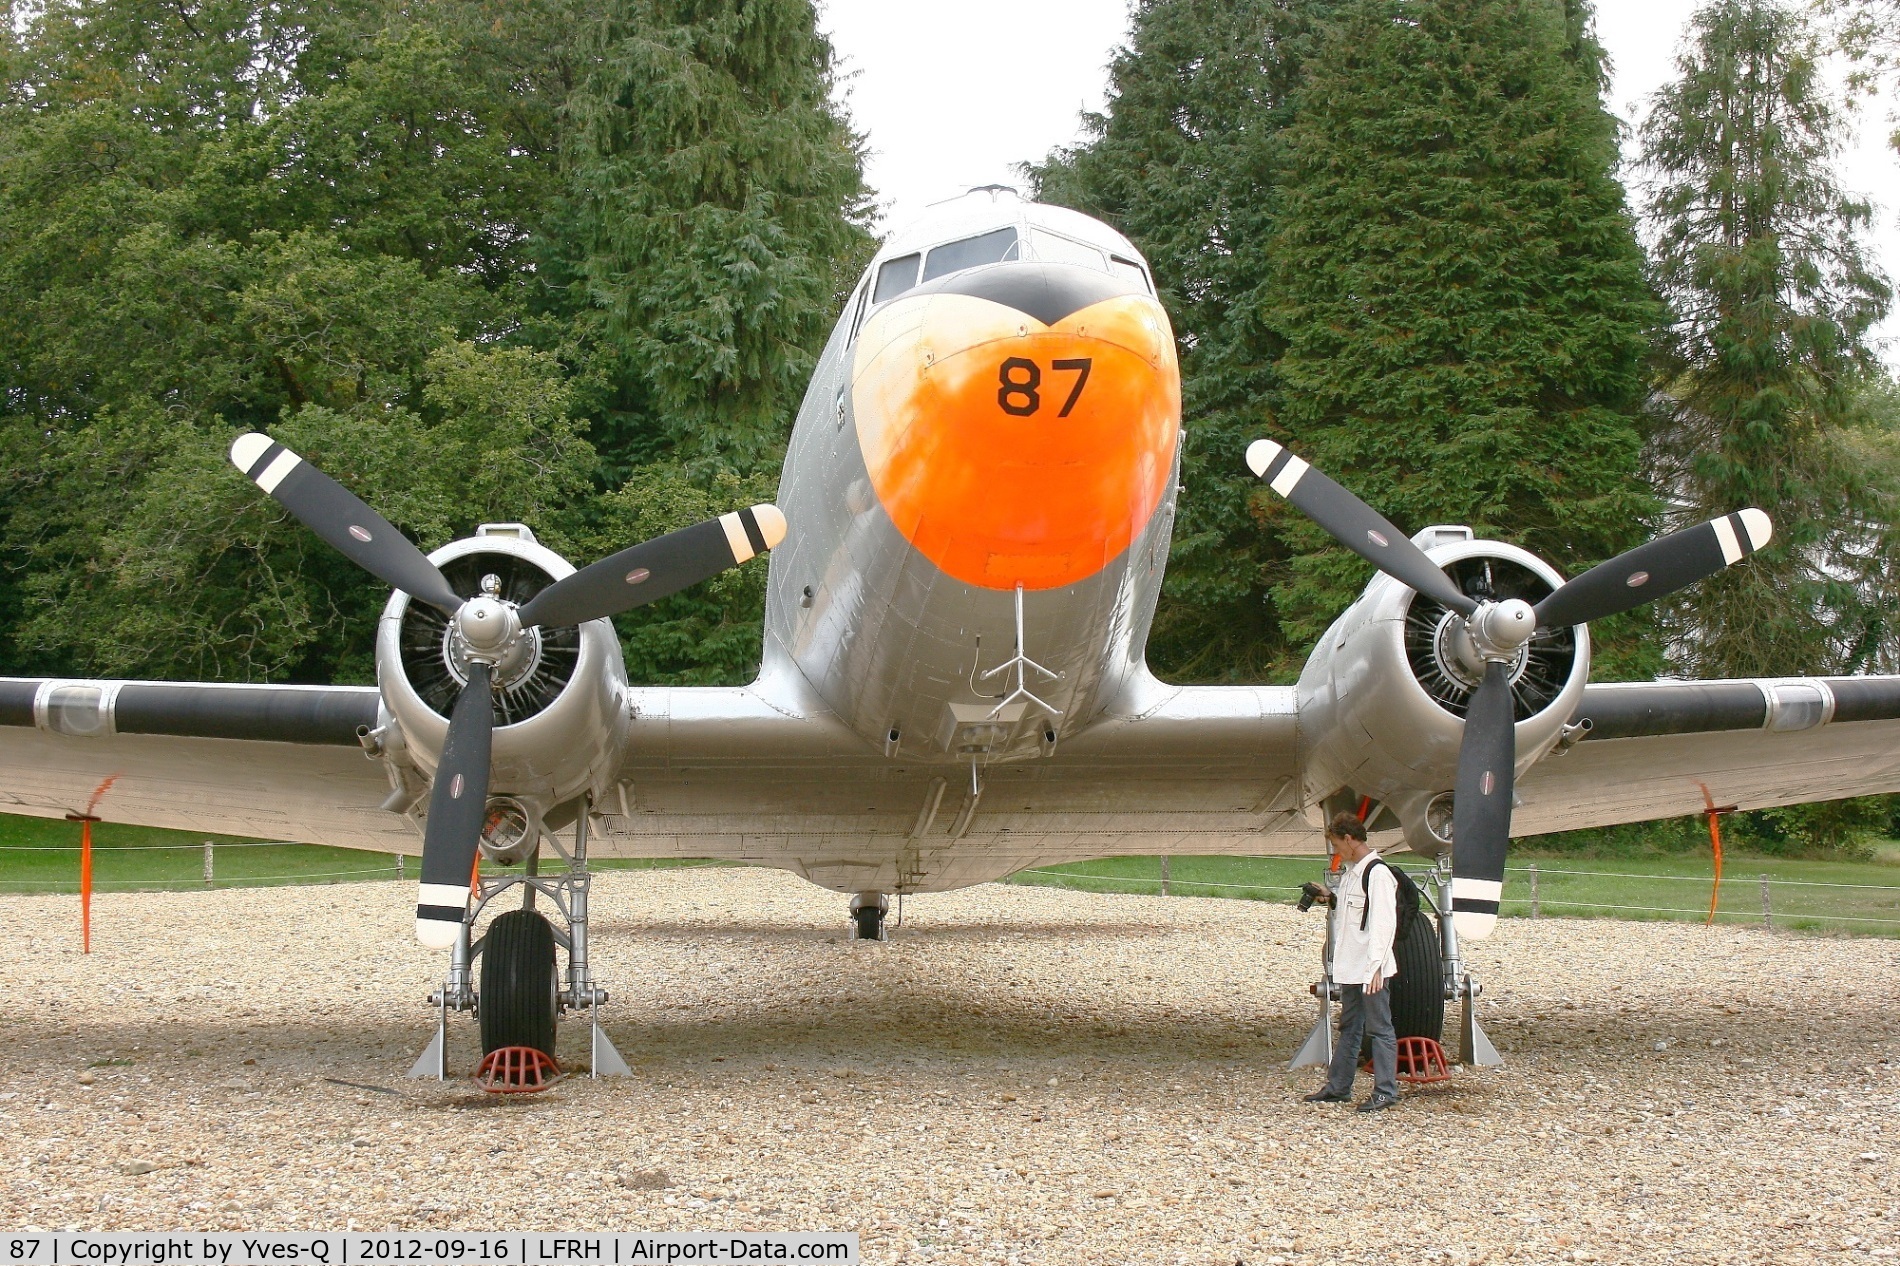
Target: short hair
<point x="1347" y="825"/>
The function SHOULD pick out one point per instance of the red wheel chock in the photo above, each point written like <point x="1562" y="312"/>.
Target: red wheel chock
<point x="516" y="1070"/>
<point x="1422" y="1061"/>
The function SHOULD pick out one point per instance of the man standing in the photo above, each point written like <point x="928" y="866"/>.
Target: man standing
<point x="1365" y="919"/>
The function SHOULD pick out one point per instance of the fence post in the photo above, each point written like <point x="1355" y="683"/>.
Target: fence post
<point x="207" y="863"/>
<point x="1537" y="909"/>
<point x="1767" y="910"/>
<point x="399" y="873"/>
<point x="1164" y="874"/>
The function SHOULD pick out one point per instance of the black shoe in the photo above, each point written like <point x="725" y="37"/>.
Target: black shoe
<point x="1326" y="1096"/>
<point x="1378" y="1103"/>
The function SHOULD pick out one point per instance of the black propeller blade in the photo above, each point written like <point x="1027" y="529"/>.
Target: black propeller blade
<point x="1354" y="524"/>
<point x="457" y="804"/>
<point x="1487" y="757"/>
<point x="655" y="569"/>
<point x="1481" y="806"/>
<point x="458" y="801"/>
<point x="340" y="517"/>
<point x="1656" y="569"/>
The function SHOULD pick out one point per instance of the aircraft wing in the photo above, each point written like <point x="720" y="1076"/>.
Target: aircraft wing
<point x="762" y="777"/>
<point x="272" y="762"/>
<point x="1665" y="749"/>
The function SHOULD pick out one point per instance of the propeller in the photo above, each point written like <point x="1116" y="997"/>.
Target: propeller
<point x="1493" y="633"/>
<point x="489" y="628"/>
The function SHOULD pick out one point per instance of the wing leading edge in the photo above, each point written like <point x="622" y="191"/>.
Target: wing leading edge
<point x="1656" y="748"/>
<point x="275" y="762"/>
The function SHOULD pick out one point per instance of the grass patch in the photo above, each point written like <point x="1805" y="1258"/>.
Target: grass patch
<point x="1841" y="896"/>
<point x="42" y="855"/>
<point x="1861" y="897"/>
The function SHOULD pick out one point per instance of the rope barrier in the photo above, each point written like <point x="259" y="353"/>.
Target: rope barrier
<point x="1733" y="914"/>
<point x="1176" y="883"/>
<point x="1576" y="905"/>
<point x="1699" y="879"/>
<point x="137" y="884"/>
<point x="148" y="848"/>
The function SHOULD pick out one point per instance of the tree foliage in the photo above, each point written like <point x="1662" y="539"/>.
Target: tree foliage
<point x="1391" y="236"/>
<point x="1460" y="289"/>
<point x="1756" y="249"/>
<point x="439" y="246"/>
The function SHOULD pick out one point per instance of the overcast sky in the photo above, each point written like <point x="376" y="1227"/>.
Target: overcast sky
<point x="953" y="96"/>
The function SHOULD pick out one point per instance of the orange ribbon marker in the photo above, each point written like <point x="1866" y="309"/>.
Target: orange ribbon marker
<point x="1715" y="841"/>
<point x="85" y="821"/>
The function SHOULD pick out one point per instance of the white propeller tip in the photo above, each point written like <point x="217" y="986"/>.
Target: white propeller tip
<point x="1260" y="455"/>
<point x="247" y="448"/>
<point x="1759" y="527"/>
<point x="437" y="934"/>
<point x="771" y="521"/>
<point x="1472" y="926"/>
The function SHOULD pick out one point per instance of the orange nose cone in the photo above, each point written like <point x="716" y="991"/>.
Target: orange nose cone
<point x="1010" y="452"/>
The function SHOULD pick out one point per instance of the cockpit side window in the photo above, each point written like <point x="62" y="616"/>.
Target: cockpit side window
<point x="984" y="248"/>
<point x="1132" y="271"/>
<point x="1062" y="250"/>
<point x="897" y="276"/>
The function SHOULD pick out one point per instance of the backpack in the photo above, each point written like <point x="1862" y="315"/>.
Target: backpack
<point x="1407" y="899"/>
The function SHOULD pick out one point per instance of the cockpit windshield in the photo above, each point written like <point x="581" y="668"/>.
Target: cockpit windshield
<point x="985" y="248"/>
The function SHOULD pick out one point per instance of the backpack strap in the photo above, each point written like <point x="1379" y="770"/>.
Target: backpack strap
<point x="1365" y="912"/>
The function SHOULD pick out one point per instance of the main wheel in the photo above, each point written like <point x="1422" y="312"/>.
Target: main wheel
<point x="870" y="921"/>
<point x="517" y="998"/>
<point x="1418" y="993"/>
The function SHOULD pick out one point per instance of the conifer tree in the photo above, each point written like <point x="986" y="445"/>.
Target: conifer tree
<point x="717" y="211"/>
<point x="1773" y="301"/>
<point x="1459" y="288"/>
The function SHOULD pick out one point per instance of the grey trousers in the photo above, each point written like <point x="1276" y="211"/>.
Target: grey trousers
<point x="1361" y="1013"/>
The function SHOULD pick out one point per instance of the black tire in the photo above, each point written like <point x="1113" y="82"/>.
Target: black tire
<point x="870" y="921"/>
<point x="517" y="990"/>
<point x="1418" y="994"/>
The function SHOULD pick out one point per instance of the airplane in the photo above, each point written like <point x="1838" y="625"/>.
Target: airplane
<point x="965" y="555"/>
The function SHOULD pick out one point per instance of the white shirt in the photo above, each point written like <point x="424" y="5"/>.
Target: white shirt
<point x="1358" y="954"/>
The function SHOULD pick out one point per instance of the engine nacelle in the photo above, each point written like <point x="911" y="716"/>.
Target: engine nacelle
<point x="1382" y="698"/>
<point x="561" y="699"/>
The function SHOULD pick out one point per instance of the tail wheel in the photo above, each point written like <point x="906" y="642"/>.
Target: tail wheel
<point x="518" y="1000"/>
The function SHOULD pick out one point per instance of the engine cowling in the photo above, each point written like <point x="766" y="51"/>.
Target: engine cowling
<point x="560" y="699"/>
<point x="1382" y="697"/>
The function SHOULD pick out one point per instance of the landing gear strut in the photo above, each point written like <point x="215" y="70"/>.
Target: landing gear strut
<point x="867" y="916"/>
<point x="521" y="995"/>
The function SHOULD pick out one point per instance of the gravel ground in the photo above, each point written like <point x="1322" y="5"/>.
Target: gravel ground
<point x="1020" y="1074"/>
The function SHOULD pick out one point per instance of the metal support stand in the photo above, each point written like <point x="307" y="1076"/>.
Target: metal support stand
<point x="1474" y="1048"/>
<point x="433" y="1060"/>
<point x="457" y="993"/>
<point x="567" y="892"/>
<point x="1317" y="1049"/>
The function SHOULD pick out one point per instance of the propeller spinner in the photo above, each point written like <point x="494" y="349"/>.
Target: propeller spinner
<point x="1490" y="638"/>
<point x="490" y="627"/>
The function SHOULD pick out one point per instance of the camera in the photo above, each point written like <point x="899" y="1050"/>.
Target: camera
<point x="1309" y="893"/>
